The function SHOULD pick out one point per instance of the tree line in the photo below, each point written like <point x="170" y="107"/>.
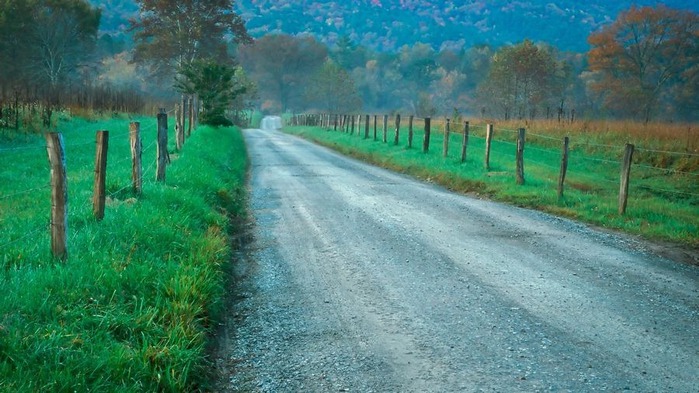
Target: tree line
<point x="643" y="65"/>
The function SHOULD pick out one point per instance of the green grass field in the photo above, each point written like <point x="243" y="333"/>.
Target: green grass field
<point x="664" y="190"/>
<point x="132" y="308"/>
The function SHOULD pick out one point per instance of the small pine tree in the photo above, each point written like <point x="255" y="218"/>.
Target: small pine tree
<point x="217" y="86"/>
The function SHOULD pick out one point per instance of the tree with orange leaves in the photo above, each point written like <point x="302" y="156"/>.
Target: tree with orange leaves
<point x="642" y="57"/>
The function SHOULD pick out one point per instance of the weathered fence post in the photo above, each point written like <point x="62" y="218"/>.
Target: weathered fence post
<point x="366" y="127"/>
<point x="190" y="115"/>
<point x="352" y="132"/>
<point x="385" y="128"/>
<point x="99" y="192"/>
<point x="396" y="138"/>
<point x="488" y="143"/>
<point x="375" y="121"/>
<point x="564" y="166"/>
<point x="445" y="144"/>
<point x="59" y="195"/>
<point x="136" y="151"/>
<point x="410" y="131"/>
<point x="179" y="128"/>
<point x="163" y="157"/>
<point x="426" y="139"/>
<point x="520" y="156"/>
<point x="625" y="175"/>
<point x="183" y="115"/>
<point x="195" y="104"/>
<point x="464" y="143"/>
<point x="335" y="121"/>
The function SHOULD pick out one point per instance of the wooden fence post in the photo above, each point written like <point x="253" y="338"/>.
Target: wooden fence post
<point x="195" y="109"/>
<point x="179" y="128"/>
<point x="99" y="192"/>
<point x="464" y="143"/>
<point x="396" y="138"/>
<point x="564" y="166"/>
<point x="426" y="139"/>
<point x="520" y="156"/>
<point x="366" y="127"/>
<point x="190" y="115"/>
<point x="136" y="151"/>
<point x="385" y="128"/>
<point x="625" y="175"/>
<point x="445" y="143"/>
<point x="488" y="142"/>
<point x="59" y="195"/>
<point x="183" y="115"/>
<point x="410" y="131"/>
<point x="163" y="157"/>
<point x="375" y="121"/>
<point x="352" y="132"/>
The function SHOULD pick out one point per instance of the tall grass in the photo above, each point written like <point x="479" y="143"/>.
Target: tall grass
<point x="131" y="308"/>
<point x="664" y="194"/>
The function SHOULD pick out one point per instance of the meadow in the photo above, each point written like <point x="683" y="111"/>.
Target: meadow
<point x="134" y="305"/>
<point x="663" y="202"/>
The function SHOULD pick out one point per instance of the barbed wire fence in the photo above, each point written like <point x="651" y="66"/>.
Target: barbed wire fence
<point x="557" y="162"/>
<point x="22" y="232"/>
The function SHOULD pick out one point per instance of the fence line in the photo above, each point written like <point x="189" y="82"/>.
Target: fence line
<point x="55" y="146"/>
<point x="517" y="147"/>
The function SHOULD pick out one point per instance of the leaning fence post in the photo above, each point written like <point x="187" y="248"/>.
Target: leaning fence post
<point x="410" y="131"/>
<point x="520" y="156"/>
<point x="426" y="139"/>
<point x="99" y="192"/>
<point x="625" y="175"/>
<point x="564" y="166"/>
<point x="59" y="195"/>
<point x="464" y="143"/>
<point x="445" y="144"/>
<point x="488" y="142"/>
<point x="136" y="151"/>
<point x="163" y="157"/>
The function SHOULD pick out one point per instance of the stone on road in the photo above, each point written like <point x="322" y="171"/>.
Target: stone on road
<point x="362" y="280"/>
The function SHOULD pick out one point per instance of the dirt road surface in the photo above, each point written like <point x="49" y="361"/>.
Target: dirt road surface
<point x="362" y="280"/>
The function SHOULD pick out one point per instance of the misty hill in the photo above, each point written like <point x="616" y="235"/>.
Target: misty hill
<point x="386" y="25"/>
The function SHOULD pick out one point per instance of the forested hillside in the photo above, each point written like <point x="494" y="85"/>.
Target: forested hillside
<point x="386" y="25"/>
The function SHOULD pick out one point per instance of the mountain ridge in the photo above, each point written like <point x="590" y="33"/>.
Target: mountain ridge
<point x="387" y="25"/>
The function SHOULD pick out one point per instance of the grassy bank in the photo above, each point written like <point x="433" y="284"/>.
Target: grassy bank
<point x="131" y="308"/>
<point x="663" y="202"/>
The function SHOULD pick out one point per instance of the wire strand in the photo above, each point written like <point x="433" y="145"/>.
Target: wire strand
<point x="668" y="152"/>
<point x="22" y="192"/>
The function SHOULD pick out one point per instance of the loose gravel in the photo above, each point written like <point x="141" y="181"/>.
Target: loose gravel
<point x="361" y="280"/>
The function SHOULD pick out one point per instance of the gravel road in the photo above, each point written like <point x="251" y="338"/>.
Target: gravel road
<point x="361" y="280"/>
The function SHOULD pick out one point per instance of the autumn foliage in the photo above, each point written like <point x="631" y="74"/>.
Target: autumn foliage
<point x="645" y="60"/>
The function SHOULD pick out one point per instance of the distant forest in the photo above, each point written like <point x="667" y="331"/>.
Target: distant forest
<point x="497" y="59"/>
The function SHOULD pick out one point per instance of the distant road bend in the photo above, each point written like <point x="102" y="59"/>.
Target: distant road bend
<point x="362" y="280"/>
